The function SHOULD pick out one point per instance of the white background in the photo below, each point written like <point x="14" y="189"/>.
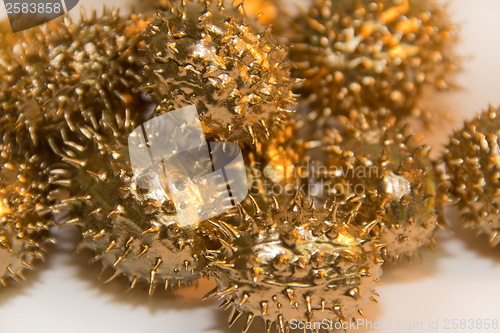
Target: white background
<point x="460" y="281"/>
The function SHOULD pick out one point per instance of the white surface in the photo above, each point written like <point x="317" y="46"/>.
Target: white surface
<point x="460" y="281"/>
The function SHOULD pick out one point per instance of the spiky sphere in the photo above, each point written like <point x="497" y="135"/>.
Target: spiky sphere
<point x="380" y="163"/>
<point x="25" y="215"/>
<point x="61" y="72"/>
<point x="204" y="54"/>
<point x="298" y="262"/>
<point x="129" y="226"/>
<point x="472" y="163"/>
<point x="379" y="53"/>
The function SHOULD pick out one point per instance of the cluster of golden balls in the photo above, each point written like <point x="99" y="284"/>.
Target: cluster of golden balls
<point x="319" y="103"/>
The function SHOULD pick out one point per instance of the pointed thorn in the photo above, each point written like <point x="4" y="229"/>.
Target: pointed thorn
<point x="234" y="317"/>
<point x="132" y="284"/>
<point x="248" y="322"/>
<point x="210" y="294"/>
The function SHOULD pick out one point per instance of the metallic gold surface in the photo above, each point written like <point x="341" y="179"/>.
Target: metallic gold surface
<point x="381" y="164"/>
<point x="299" y="262"/>
<point x="56" y="82"/>
<point x="380" y="53"/>
<point x="473" y="161"/>
<point x="25" y="214"/>
<point x="61" y="72"/>
<point x="214" y="57"/>
<point x="130" y="228"/>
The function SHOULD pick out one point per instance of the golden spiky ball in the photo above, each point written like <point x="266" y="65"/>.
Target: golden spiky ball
<point x="381" y="53"/>
<point x="472" y="163"/>
<point x="25" y="214"/>
<point x="214" y="57"/>
<point x="381" y="164"/>
<point x="299" y="262"/>
<point x="61" y="72"/>
<point x="130" y="227"/>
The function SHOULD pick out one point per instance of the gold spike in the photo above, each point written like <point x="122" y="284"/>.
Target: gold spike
<point x="132" y="284"/>
<point x="313" y="204"/>
<point x="111" y="246"/>
<point x="144" y="250"/>
<point x="248" y="322"/>
<point x="255" y="206"/>
<point x="112" y="277"/>
<point x="39" y="255"/>
<point x="353" y="292"/>
<point x="431" y="247"/>
<point x="367" y="228"/>
<point x="250" y="132"/>
<point x="151" y="230"/>
<point x="228" y="230"/>
<point x="75" y="220"/>
<point x="275" y="206"/>
<point x="211" y="293"/>
<point x="245" y="298"/>
<point x="129" y="241"/>
<point x="224" y="303"/>
<point x="9" y="269"/>
<point x="257" y="271"/>
<point x="289" y="294"/>
<point x="158" y="263"/>
<point x="229" y="249"/>
<point x="27" y="265"/>
<point x="281" y="324"/>
<point x="263" y="306"/>
<point x="268" y="326"/>
<point x="151" y="282"/>
<point x="234" y="317"/>
<point x="361" y="312"/>
<point x="99" y="234"/>
<point x="262" y="122"/>
<point x="120" y="258"/>
<point x="308" y="303"/>
<point x="231" y="303"/>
